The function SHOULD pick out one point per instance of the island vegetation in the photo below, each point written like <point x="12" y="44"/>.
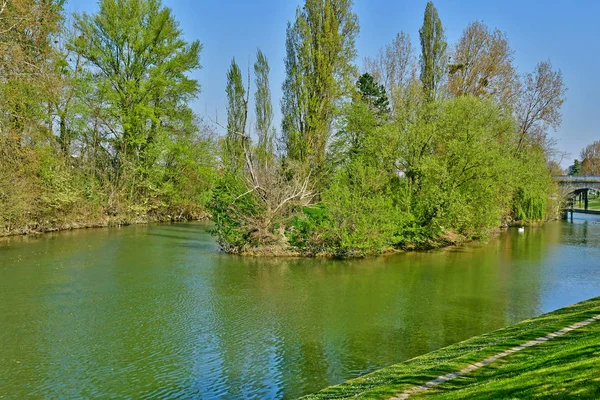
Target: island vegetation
<point x="416" y="148"/>
<point x="410" y="154"/>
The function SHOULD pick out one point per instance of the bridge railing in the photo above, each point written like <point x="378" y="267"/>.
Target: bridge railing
<point x="575" y="178"/>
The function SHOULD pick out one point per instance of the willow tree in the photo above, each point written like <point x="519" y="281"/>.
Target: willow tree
<point x="320" y="49"/>
<point x="433" y="52"/>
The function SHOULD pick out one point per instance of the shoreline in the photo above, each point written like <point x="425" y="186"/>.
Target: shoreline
<point x="440" y="365"/>
<point x="107" y="222"/>
<point x="448" y="240"/>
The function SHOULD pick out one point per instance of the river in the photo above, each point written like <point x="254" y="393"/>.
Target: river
<point x="158" y="312"/>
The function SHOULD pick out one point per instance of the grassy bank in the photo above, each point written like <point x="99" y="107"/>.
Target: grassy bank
<point x="594" y="204"/>
<point x="566" y="366"/>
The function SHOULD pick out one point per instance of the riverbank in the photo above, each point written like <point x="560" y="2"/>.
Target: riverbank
<point x="41" y="227"/>
<point x="443" y="241"/>
<point x="561" y="366"/>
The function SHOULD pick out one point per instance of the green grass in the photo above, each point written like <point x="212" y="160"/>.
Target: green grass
<point x="567" y="366"/>
<point x="593" y="203"/>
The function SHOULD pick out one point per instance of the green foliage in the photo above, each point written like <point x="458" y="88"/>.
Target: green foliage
<point x="97" y="127"/>
<point x="433" y="52"/>
<point x="319" y="53"/>
<point x="263" y="108"/>
<point x="444" y="176"/>
<point x="462" y="180"/>
<point x="302" y="230"/>
<point x="231" y="209"/>
<point x="532" y="187"/>
<point x="373" y="94"/>
<point x="140" y="106"/>
<point x="365" y="216"/>
<point x="359" y="132"/>
<point x="101" y="130"/>
<point x="237" y="113"/>
<point x="575" y="168"/>
<point x="142" y="63"/>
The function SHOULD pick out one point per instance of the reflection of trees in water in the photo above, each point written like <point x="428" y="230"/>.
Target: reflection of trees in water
<point x="99" y="313"/>
<point x="181" y="320"/>
<point x="582" y="233"/>
<point x="522" y="268"/>
<point x="336" y="319"/>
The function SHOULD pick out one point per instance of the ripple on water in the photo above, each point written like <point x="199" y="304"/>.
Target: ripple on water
<point x="158" y="312"/>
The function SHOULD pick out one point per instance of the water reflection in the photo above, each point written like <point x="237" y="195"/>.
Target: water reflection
<point x="157" y="311"/>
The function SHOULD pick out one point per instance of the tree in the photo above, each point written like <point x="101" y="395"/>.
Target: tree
<point x="263" y="108"/>
<point x="237" y="116"/>
<point x="141" y="64"/>
<point x="68" y="97"/>
<point x="482" y="65"/>
<point x="368" y="110"/>
<point x="256" y="194"/>
<point x="433" y="52"/>
<point x="28" y="77"/>
<point x="555" y="168"/>
<point x="373" y="94"/>
<point x="541" y="96"/>
<point x="319" y="52"/>
<point x="575" y="168"/>
<point x="393" y="67"/>
<point x="590" y="156"/>
<point x="463" y="180"/>
<point x="27" y="73"/>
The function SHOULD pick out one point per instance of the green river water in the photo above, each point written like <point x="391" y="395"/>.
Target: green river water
<point x="158" y="312"/>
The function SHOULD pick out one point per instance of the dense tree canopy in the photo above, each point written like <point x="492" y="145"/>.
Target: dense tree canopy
<point x="101" y="112"/>
<point x="395" y="161"/>
<point x="96" y="128"/>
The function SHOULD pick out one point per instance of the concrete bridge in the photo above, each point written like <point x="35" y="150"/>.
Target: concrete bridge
<point x="578" y="187"/>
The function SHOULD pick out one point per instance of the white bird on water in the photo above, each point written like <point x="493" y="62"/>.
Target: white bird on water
<point x="521" y="229"/>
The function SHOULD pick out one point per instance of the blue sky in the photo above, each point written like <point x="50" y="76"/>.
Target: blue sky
<point x="565" y="32"/>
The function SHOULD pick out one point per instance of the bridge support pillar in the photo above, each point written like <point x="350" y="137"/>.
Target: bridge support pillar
<point x="585" y="199"/>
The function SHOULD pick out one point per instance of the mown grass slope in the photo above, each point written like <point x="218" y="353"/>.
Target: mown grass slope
<point x="564" y="367"/>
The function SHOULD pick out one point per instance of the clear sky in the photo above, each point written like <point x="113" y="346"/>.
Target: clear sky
<point x="565" y="32"/>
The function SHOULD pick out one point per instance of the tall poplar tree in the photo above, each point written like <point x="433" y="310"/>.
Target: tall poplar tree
<point x="237" y="114"/>
<point x="320" y="50"/>
<point x="433" y="52"/>
<point x="263" y="106"/>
